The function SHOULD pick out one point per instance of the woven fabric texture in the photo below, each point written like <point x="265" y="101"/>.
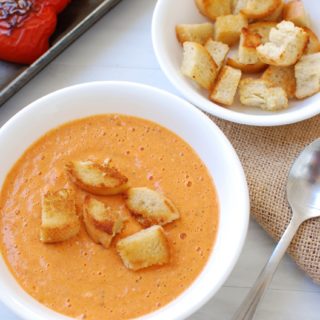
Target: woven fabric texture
<point x="266" y="154"/>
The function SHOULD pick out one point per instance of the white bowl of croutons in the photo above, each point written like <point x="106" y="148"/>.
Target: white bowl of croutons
<point x="74" y="122"/>
<point x="247" y="61"/>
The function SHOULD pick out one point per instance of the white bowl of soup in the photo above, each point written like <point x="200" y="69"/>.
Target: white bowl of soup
<point x="159" y="141"/>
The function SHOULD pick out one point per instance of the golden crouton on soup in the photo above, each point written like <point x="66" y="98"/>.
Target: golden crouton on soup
<point x="150" y="207"/>
<point x="59" y="219"/>
<point x="101" y="221"/>
<point x="145" y="248"/>
<point x="96" y="178"/>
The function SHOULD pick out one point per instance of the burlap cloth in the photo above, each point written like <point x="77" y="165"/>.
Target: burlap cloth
<point x="266" y="154"/>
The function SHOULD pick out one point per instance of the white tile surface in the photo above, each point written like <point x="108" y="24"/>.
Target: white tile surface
<point x="119" y="48"/>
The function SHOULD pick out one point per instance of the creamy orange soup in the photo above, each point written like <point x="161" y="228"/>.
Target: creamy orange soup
<point x="78" y="277"/>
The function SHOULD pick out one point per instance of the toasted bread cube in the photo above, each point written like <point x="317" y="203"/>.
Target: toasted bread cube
<point x="218" y="51"/>
<point x="274" y="16"/>
<point x="286" y="45"/>
<point x="228" y="28"/>
<point x="282" y="77"/>
<point x="262" y="94"/>
<point x="59" y="219"/>
<point x="313" y="44"/>
<point x="260" y="9"/>
<point x="277" y="15"/>
<point x="150" y="207"/>
<point x="238" y="5"/>
<point x="99" y="179"/>
<point x="307" y="73"/>
<point x="263" y="29"/>
<point x="294" y="11"/>
<point x="226" y="86"/>
<point x="214" y="8"/>
<point x="144" y="249"/>
<point x="246" y="68"/>
<point x="198" y="65"/>
<point x="199" y="33"/>
<point x="102" y="223"/>
<point x="249" y="41"/>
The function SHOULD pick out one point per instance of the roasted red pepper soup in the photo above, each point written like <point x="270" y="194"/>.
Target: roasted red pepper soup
<point x="78" y="277"/>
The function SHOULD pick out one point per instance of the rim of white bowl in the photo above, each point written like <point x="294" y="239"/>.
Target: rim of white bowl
<point x="24" y="310"/>
<point x="204" y="104"/>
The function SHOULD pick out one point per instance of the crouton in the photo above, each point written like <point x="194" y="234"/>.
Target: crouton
<point x="286" y="45"/>
<point x="218" y="51"/>
<point x="214" y="8"/>
<point x="199" y="33"/>
<point x="59" y="219"/>
<point x="260" y="9"/>
<point x="263" y="94"/>
<point x="150" y="207"/>
<point x="102" y="223"/>
<point x="277" y="15"/>
<point x="228" y="28"/>
<point x="294" y="11"/>
<point x="99" y="179"/>
<point x="307" y="73"/>
<point x="238" y="5"/>
<point x="263" y="29"/>
<point x="145" y="248"/>
<point x="198" y="65"/>
<point x="226" y="86"/>
<point x="249" y="41"/>
<point x="282" y="77"/>
<point x="246" y="68"/>
<point x="313" y="44"/>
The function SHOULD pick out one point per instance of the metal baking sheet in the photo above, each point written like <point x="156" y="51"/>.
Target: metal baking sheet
<point x="72" y="22"/>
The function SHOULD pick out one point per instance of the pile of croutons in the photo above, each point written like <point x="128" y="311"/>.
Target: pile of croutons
<point x="274" y="38"/>
<point x="60" y="220"/>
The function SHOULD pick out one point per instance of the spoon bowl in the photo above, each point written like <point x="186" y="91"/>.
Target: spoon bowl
<point x="303" y="188"/>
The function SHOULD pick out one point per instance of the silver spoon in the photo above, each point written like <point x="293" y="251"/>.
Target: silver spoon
<point x="303" y="193"/>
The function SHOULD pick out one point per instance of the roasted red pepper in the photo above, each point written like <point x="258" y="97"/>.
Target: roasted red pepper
<point x="26" y="26"/>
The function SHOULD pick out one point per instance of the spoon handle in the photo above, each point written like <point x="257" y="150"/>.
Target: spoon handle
<point x="248" y="307"/>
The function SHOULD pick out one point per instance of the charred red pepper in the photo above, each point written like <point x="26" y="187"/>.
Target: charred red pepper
<point x="26" y="26"/>
<point x="59" y="5"/>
